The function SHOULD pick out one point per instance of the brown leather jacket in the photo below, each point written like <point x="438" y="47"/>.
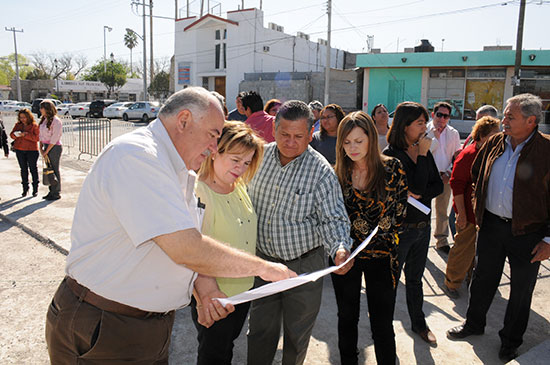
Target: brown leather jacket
<point x="531" y="196"/>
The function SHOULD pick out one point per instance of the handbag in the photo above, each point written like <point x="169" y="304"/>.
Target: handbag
<point x="48" y="175"/>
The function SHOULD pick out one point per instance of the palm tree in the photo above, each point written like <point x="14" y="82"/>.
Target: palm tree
<point x="130" y="41"/>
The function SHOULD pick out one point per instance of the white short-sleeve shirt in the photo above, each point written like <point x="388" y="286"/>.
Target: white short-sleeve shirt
<point x="138" y="188"/>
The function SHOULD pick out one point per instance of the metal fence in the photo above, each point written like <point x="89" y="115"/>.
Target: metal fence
<point x="68" y="139"/>
<point x="93" y="135"/>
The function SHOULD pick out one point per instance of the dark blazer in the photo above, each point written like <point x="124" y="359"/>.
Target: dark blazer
<point x="4" y="139"/>
<point x="531" y="196"/>
<point x="423" y="179"/>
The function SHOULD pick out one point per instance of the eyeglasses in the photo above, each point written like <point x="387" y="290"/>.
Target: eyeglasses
<point x="328" y="117"/>
<point x="442" y="115"/>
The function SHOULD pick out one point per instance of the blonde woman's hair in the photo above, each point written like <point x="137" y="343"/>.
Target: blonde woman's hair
<point x="375" y="166"/>
<point x="237" y="137"/>
<point x="484" y="126"/>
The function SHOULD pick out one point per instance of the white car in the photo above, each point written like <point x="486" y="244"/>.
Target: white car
<point x="4" y="104"/>
<point x="143" y="110"/>
<point x="80" y="110"/>
<point x="15" y="107"/>
<point x="116" y="110"/>
<point x="63" y="109"/>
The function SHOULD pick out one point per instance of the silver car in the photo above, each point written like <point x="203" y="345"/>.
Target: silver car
<point x="116" y="110"/>
<point x="144" y="110"/>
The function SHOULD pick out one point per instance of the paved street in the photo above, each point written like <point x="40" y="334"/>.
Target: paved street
<point x="30" y="271"/>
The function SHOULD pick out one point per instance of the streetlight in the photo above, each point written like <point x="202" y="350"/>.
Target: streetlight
<point x="112" y="73"/>
<point x="105" y="27"/>
<point x="56" y="78"/>
<point x="144" y="60"/>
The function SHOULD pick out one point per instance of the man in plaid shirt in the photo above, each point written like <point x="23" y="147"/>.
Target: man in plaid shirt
<point x="301" y="213"/>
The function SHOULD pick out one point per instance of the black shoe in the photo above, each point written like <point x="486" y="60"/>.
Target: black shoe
<point x="507" y="354"/>
<point x="46" y="196"/>
<point x="460" y="332"/>
<point x="25" y="191"/>
<point x="451" y="293"/>
<point x="34" y="193"/>
<point x="53" y="197"/>
<point x="445" y="249"/>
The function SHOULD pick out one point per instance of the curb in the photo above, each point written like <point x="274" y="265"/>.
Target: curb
<point x="40" y="238"/>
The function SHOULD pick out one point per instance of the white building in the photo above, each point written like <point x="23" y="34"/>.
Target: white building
<point x="215" y="52"/>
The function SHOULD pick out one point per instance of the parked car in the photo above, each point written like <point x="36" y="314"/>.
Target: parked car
<point x="80" y="110"/>
<point x="116" y="110"/>
<point x="5" y="104"/>
<point x="63" y="109"/>
<point x="144" y="110"/>
<point x="15" y="107"/>
<point x="36" y="105"/>
<point x="97" y="106"/>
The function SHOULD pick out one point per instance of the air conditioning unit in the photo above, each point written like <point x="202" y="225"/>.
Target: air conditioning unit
<point x="275" y="27"/>
<point x="303" y="35"/>
<point x="266" y="48"/>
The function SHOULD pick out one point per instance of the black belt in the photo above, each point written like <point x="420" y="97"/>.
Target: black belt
<point x="303" y="256"/>
<point x="504" y="219"/>
<point x="418" y="225"/>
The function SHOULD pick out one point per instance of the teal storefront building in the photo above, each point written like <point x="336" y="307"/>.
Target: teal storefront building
<point x="467" y="80"/>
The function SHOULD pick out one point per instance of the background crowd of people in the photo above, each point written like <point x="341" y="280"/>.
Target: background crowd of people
<point x="285" y="188"/>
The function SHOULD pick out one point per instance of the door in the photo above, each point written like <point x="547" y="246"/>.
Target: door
<point x="396" y="92"/>
<point x="219" y="85"/>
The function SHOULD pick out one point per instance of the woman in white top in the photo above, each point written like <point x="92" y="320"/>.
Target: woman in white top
<point x="51" y="130"/>
<point x="229" y="217"/>
<point x="380" y="116"/>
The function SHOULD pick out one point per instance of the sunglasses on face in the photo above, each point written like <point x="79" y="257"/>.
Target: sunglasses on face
<point x="442" y="115"/>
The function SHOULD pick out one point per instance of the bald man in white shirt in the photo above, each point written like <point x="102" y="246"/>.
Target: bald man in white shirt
<point x="137" y="253"/>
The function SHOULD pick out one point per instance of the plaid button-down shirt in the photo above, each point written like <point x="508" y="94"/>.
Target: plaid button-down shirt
<point x="299" y="206"/>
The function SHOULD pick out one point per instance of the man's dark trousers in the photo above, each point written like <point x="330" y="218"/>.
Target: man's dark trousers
<point x="496" y="243"/>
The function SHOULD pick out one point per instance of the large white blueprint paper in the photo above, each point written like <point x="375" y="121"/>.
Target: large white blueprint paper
<point x="279" y="286"/>
<point x="418" y="205"/>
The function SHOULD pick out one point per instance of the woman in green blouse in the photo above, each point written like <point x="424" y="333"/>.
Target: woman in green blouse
<point x="229" y="217"/>
<point x="375" y="194"/>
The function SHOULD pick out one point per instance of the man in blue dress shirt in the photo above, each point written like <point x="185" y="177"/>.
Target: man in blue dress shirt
<point x="512" y="195"/>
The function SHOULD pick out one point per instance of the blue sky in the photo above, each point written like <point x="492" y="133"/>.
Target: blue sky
<point x="76" y="26"/>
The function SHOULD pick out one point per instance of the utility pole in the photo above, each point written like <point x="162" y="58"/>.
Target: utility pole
<point x="202" y="7"/>
<point x="187" y="8"/>
<point x="145" y="98"/>
<point x="105" y="27"/>
<point x="327" y="62"/>
<point x="152" y="60"/>
<point x="176" y="13"/>
<point x="17" y="80"/>
<point x="519" y="45"/>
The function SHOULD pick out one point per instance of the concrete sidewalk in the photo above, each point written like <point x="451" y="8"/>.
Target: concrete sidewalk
<point x="50" y="222"/>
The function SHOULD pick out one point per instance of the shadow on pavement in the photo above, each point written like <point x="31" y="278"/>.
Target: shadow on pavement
<point x="28" y="209"/>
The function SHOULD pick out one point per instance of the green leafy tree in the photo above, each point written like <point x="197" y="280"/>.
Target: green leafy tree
<point x="113" y="79"/>
<point x="38" y="74"/>
<point x="160" y="85"/>
<point x="130" y="41"/>
<point x="7" y="68"/>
